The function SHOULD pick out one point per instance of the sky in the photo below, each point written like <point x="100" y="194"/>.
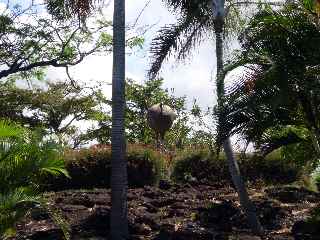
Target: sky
<point x="192" y="78"/>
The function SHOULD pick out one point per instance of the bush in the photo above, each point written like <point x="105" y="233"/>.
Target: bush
<point x="199" y="166"/>
<point x="316" y="179"/>
<point x="90" y="168"/>
<point x="204" y="166"/>
<point x="24" y="158"/>
<point x="271" y="169"/>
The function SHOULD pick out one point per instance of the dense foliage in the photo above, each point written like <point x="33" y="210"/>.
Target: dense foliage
<point x="276" y="103"/>
<point x="204" y="166"/>
<point x="24" y="160"/>
<point x="55" y="108"/>
<point x="89" y="168"/>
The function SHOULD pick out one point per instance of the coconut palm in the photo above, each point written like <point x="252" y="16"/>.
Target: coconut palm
<point x="24" y="159"/>
<point x="198" y="19"/>
<point x="119" y="222"/>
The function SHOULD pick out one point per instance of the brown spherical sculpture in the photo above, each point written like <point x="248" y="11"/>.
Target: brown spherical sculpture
<point x="160" y="118"/>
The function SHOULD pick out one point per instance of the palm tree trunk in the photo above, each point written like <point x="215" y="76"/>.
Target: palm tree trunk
<point x="119" y="185"/>
<point x="245" y="202"/>
<point x="234" y="170"/>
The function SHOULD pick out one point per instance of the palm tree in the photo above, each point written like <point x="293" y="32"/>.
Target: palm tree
<point x="284" y="91"/>
<point x="119" y="222"/>
<point x="199" y="18"/>
<point x="24" y="159"/>
<point x="219" y="16"/>
<point x="119" y="185"/>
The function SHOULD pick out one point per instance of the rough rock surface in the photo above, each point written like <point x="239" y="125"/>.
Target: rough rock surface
<point x="175" y="212"/>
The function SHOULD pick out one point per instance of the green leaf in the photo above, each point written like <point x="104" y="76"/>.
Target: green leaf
<point x="105" y="39"/>
<point x="135" y="42"/>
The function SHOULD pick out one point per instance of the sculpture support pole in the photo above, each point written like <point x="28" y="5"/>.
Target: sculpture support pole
<point x="160" y="118"/>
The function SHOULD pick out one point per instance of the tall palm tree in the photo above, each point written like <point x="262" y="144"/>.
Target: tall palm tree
<point x="119" y="222"/>
<point x="119" y="185"/>
<point x="198" y="18"/>
<point x="218" y="10"/>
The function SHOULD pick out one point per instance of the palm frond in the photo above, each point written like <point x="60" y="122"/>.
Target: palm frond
<point x="10" y="129"/>
<point x="279" y="136"/>
<point x="189" y="7"/>
<point x="195" y="22"/>
<point x="13" y="205"/>
<point x="281" y="87"/>
<point x="254" y="103"/>
<point x="64" y="9"/>
<point x="179" y="38"/>
<point x="24" y="158"/>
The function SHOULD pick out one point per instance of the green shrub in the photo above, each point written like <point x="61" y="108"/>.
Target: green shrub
<point x="271" y="169"/>
<point x="199" y="166"/>
<point x="90" y="168"/>
<point x="316" y="179"/>
<point x="204" y="166"/>
<point x="24" y="159"/>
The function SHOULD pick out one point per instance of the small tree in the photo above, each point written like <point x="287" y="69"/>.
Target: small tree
<point x="139" y="97"/>
<point x="55" y="108"/>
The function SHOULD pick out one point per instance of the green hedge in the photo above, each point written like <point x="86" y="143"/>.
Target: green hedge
<point x="198" y="165"/>
<point x="91" y="168"/>
<point x="204" y="166"/>
<point x="316" y="179"/>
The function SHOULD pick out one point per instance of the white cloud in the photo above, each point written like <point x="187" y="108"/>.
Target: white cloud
<point x="2" y="6"/>
<point x="192" y="78"/>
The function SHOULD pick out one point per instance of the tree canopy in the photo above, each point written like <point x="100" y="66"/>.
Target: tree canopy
<point x="30" y="39"/>
<point x="54" y="109"/>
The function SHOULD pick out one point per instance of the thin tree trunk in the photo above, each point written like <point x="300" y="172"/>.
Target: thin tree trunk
<point x="234" y="170"/>
<point x="119" y="185"/>
<point x="315" y="140"/>
<point x="245" y="202"/>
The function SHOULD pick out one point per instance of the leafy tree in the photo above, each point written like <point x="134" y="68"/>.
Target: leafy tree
<point x="55" y="108"/>
<point x="119" y="185"/>
<point x="31" y="39"/>
<point x="205" y="135"/>
<point x="139" y="97"/>
<point x="24" y="159"/>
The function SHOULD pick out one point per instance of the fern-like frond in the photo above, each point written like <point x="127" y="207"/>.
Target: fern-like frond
<point x="14" y="205"/>
<point x="24" y="158"/>
<point x="9" y="129"/>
